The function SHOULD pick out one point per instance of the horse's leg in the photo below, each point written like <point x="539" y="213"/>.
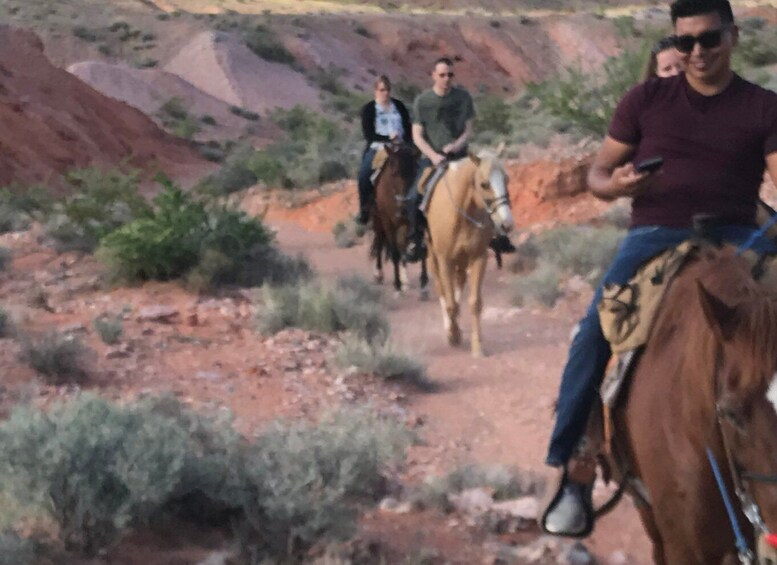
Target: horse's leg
<point x="648" y="520"/>
<point x="461" y="279"/>
<point x="396" y="260"/>
<point x="378" y="274"/>
<point x="477" y="268"/>
<point x="424" y="281"/>
<point x="450" y="308"/>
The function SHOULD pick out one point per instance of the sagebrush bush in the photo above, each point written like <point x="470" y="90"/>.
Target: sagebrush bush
<point x="383" y="359"/>
<point x="504" y="483"/>
<point x="493" y="115"/>
<point x="235" y="174"/>
<point x="266" y="44"/>
<point x="540" y="285"/>
<point x="94" y="466"/>
<point x="6" y="257"/>
<point x="58" y="358"/>
<point x="323" y="307"/>
<point x="109" y="328"/>
<point x="15" y="550"/>
<point x="345" y="234"/>
<point x="580" y="250"/>
<point x="185" y="236"/>
<point x="6" y="326"/>
<point x="306" y="482"/>
<point x="97" y="468"/>
<point x="102" y="201"/>
<point x="21" y="204"/>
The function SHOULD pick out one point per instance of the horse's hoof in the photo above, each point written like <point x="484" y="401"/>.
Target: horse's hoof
<point x="478" y="354"/>
<point x="454" y="338"/>
<point x="398" y="293"/>
<point x="378" y="279"/>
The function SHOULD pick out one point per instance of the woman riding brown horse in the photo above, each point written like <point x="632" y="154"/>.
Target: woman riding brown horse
<point x="706" y="380"/>
<point x="389" y="220"/>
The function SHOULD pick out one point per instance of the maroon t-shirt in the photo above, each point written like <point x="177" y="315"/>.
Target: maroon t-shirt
<point x="714" y="148"/>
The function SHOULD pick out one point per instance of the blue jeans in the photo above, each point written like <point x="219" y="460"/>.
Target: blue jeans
<point x="366" y="190"/>
<point x="590" y="352"/>
<point x="413" y="213"/>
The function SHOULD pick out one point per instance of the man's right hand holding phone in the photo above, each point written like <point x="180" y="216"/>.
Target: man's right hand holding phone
<point x="626" y="181"/>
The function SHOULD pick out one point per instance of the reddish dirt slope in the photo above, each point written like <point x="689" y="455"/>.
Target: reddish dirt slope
<point x="50" y="121"/>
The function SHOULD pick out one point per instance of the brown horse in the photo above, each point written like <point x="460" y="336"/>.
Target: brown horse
<point x="389" y="216"/>
<point x="468" y="202"/>
<point x="706" y="379"/>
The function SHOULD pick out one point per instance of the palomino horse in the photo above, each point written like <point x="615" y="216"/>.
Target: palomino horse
<point x="706" y="380"/>
<point x="468" y="202"/>
<point x="389" y="218"/>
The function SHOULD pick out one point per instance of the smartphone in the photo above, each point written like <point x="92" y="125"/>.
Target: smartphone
<point x="649" y="165"/>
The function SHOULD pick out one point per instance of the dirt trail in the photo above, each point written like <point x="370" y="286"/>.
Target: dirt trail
<point x="492" y="410"/>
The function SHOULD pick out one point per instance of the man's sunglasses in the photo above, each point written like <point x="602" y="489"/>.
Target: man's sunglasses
<point x="443" y="75"/>
<point x="707" y="40"/>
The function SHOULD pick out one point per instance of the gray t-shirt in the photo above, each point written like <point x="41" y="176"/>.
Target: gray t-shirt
<point x="443" y="117"/>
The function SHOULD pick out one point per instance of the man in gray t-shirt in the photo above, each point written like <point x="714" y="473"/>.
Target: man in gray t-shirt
<point x="442" y="127"/>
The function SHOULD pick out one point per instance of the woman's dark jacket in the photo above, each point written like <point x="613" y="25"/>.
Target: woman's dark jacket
<point x="368" y="123"/>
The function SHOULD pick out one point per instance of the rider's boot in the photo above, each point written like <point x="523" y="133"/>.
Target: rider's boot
<point x="501" y="244"/>
<point x="416" y="250"/>
<point x="570" y="510"/>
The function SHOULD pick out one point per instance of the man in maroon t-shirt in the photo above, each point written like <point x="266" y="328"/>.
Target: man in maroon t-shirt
<point x="716" y="133"/>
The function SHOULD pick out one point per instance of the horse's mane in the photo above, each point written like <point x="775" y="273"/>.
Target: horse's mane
<point x="729" y="278"/>
<point x="402" y="162"/>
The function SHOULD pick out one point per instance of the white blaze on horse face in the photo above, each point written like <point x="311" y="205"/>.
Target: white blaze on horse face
<point x="771" y="394"/>
<point x="498" y="184"/>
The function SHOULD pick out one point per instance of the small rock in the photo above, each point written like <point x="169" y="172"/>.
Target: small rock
<point x="208" y="375"/>
<point x="577" y="554"/>
<point x="73" y="327"/>
<point x="526" y="507"/>
<point x="158" y="313"/>
<point x="472" y="502"/>
<point x="117" y="354"/>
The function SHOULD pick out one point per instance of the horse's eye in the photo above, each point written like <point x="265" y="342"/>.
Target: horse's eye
<point x="484" y="184"/>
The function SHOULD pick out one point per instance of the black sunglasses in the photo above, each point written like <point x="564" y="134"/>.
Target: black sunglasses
<point x="707" y="40"/>
<point x="443" y="75"/>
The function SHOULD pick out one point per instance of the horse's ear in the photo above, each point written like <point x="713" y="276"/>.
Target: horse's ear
<point x="721" y="317"/>
<point x="474" y="157"/>
<point x="500" y="149"/>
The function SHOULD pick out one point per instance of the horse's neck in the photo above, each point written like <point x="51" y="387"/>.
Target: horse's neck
<point x="461" y="181"/>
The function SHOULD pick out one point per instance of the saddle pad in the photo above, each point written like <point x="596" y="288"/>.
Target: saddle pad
<point x="380" y="158"/>
<point x="627" y="311"/>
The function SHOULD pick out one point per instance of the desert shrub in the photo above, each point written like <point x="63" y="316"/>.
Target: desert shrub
<point x="176" y="118"/>
<point x="208" y="119"/>
<point x="235" y="174"/>
<point x="85" y="33"/>
<point x="318" y="306"/>
<point x="406" y="91"/>
<point x="58" y="358"/>
<point x="6" y="327"/>
<point x="504" y="483"/>
<point x="19" y="205"/>
<point x="109" y="328"/>
<point x="588" y="99"/>
<point x="346" y="234"/>
<point x="98" y="467"/>
<point x="15" y="550"/>
<point x="757" y="50"/>
<point x="207" y="243"/>
<point x="580" y="250"/>
<point x="493" y="115"/>
<point x="243" y="113"/>
<point x="383" y="359"/>
<point x="363" y="31"/>
<point x="6" y="257"/>
<point x="266" y="44"/>
<point x="540" y="285"/>
<point x="330" y="171"/>
<point x="102" y="202"/>
<point x="149" y="63"/>
<point x="307" y="482"/>
<point x="267" y="167"/>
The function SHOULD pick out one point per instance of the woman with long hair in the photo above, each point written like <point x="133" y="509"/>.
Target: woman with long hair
<point x="664" y="61"/>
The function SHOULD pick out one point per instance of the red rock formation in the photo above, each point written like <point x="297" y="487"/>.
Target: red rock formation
<point x="50" y="122"/>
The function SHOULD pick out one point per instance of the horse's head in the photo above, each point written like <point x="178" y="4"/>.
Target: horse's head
<point x="402" y="161"/>
<point x="742" y="315"/>
<point x="491" y="189"/>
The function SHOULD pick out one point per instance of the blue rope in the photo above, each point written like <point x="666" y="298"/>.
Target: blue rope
<point x="741" y="542"/>
<point x="756" y="234"/>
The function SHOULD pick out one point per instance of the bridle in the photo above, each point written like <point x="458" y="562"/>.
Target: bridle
<point x="490" y="205"/>
<point x="740" y="477"/>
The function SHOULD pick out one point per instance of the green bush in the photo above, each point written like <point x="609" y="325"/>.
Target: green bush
<point x="58" y="358"/>
<point x="6" y="326"/>
<point x="183" y="234"/>
<point x="306" y="482"/>
<point x="382" y="359"/>
<point x="14" y="550"/>
<point x="6" y="257"/>
<point x="322" y="307"/>
<point x="102" y="201"/>
<point x="580" y="250"/>
<point x="267" y="168"/>
<point x="330" y="171"/>
<point x="21" y="204"/>
<point x="588" y="99"/>
<point x="98" y="468"/>
<point x="85" y="33"/>
<point x="109" y="329"/>
<point x="541" y="285"/>
<point x="243" y="113"/>
<point x="345" y="234"/>
<point x="265" y="43"/>
<point x="493" y="115"/>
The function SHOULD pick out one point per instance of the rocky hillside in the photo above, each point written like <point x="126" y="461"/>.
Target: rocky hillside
<point x="52" y="122"/>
